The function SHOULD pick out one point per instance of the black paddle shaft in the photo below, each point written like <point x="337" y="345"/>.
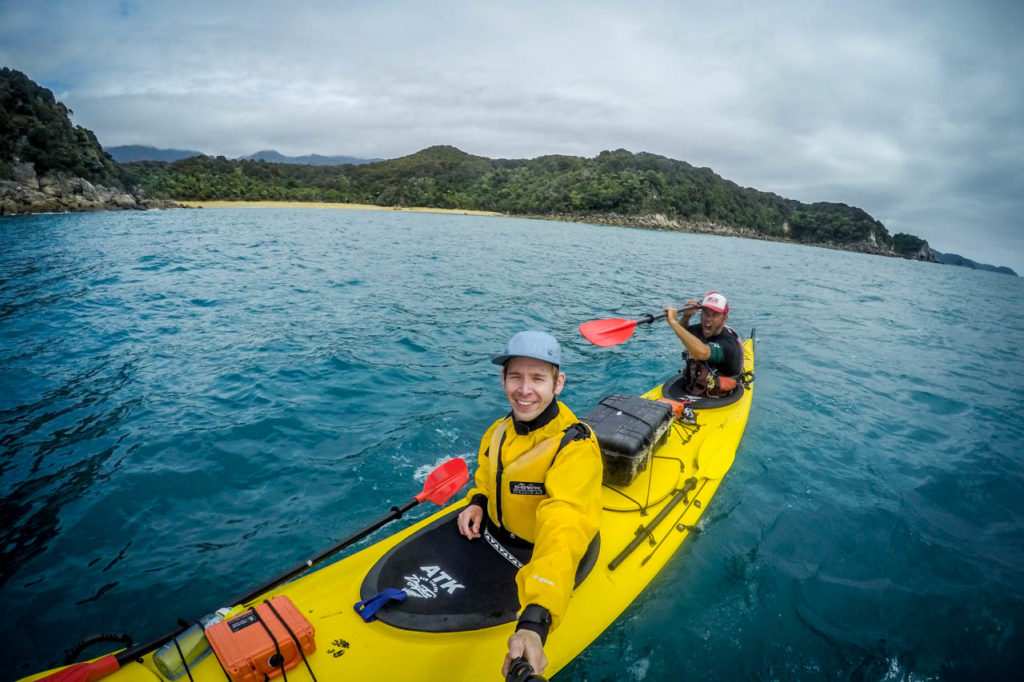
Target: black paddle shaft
<point x="393" y="515"/>
<point x="648" y="319"/>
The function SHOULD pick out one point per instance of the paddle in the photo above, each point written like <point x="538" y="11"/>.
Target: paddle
<point x="614" y="331"/>
<point x="440" y="485"/>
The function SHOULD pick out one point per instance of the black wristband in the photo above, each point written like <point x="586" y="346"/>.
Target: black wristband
<point x="537" y="619"/>
<point x="479" y="500"/>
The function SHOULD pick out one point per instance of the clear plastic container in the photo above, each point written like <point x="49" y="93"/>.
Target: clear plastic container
<point x="193" y="645"/>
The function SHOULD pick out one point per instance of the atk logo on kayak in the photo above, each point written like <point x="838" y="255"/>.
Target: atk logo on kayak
<point x="430" y="581"/>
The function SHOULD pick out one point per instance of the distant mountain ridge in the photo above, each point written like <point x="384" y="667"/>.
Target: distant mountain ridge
<point x="272" y="156"/>
<point x="129" y="153"/>
<point x="140" y="152"/>
<point x="954" y="259"/>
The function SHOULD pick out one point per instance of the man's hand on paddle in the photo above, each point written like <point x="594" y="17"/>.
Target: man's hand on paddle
<point x="688" y="309"/>
<point x="470" y="519"/>
<point x="526" y="643"/>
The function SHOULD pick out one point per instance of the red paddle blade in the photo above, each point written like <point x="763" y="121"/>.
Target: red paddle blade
<point x="444" y="481"/>
<point x="607" y="332"/>
<point x="85" y="672"/>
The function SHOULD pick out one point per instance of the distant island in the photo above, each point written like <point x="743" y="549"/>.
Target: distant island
<point x="953" y="259"/>
<point x="48" y="164"/>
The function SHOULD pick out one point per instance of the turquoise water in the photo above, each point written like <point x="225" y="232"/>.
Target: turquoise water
<point x="194" y="400"/>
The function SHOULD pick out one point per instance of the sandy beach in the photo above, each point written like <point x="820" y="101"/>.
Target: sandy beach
<point x="324" y="204"/>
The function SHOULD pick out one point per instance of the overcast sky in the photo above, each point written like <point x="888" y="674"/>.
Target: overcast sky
<point x="913" y="111"/>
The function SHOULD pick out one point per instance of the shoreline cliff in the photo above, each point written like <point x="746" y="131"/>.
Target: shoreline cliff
<point x="59" y="192"/>
<point x="663" y="222"/>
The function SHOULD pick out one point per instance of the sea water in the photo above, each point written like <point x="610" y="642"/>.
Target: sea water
<point x="192" y="401"/>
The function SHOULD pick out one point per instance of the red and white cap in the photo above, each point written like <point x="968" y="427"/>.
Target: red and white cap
<point x="715" y="301"/>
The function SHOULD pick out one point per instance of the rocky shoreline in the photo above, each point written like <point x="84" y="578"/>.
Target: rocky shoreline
<point x="56" y="192"/>
<point x="659" y="221"/>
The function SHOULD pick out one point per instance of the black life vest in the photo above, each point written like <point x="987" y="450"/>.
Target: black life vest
<point x="700" y="379"/>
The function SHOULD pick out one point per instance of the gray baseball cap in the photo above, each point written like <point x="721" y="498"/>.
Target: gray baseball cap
<point x="531" y="344"/>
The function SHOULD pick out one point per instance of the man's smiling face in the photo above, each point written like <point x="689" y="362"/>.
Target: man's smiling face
<point x="530" y="386"/>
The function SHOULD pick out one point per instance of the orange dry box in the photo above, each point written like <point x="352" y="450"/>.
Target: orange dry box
<point x="262" y="642"/>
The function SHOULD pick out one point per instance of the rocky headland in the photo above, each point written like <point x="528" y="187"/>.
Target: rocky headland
<point x="59" y="192"/>
<point x="658" y="221"/>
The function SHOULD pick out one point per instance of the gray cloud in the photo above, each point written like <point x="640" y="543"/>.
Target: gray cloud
<point x="912" y="110"/>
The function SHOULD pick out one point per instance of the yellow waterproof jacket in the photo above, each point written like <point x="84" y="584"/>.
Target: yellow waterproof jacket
<point x="548" y="497"/>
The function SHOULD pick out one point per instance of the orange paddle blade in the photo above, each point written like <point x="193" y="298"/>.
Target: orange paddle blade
<point x="444" y="481"/>
<point x="607" y="332"/>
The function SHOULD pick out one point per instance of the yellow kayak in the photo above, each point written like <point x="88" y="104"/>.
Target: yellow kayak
<point x="644" y="522"/>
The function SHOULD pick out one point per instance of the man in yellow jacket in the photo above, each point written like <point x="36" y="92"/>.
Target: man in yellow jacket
<point x="538" y="481"/>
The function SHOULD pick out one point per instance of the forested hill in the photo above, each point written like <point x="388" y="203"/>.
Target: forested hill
<point x="49" y="164"/>
<point x="35" y="128"/>
<point x="614" y="187"/>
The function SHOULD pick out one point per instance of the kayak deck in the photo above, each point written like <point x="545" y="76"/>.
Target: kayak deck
<point x="654" y="513"/>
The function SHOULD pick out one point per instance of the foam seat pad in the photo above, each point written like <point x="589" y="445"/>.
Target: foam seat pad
<point x="453" y="583"/>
